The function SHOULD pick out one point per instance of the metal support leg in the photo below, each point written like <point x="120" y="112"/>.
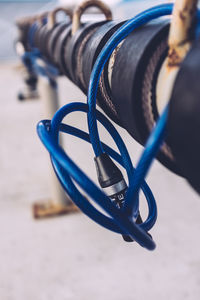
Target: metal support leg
<point x="60" y="203"/>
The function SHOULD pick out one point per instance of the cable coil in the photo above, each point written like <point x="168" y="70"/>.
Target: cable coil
<point x="120" y="220"/>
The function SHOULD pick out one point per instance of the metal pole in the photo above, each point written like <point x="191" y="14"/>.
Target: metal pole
<point x="60" y="203"/>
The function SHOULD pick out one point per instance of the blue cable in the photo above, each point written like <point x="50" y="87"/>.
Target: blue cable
<point x="66" y="168"/>
<point x="125" y="158"/>
<point x="151" y="149"/>
<point x="119" y="220"/>
<point x="155" y="141"/>
<point x="117" y="37"/>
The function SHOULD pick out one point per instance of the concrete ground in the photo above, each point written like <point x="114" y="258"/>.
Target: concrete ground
<point x="70" y="257"/>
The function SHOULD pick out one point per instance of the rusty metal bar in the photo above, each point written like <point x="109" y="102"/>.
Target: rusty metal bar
<point x="183" y="13"/>
<point x="180" y="39"/>
<point x="179" y="36"/>
<point x="52" y="15"/>
<point x="80" y="9"/>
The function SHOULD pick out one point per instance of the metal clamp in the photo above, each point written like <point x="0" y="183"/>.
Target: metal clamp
<point x="80" y="9"/>
<point x="52" y="16"/>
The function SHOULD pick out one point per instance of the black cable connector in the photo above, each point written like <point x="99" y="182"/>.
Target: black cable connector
<point x="112" y="182"/>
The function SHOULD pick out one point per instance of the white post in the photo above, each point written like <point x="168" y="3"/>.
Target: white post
<point x="60" y="203"/>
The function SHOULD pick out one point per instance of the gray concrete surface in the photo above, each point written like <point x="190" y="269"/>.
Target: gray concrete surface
<point x="72" y="258"/>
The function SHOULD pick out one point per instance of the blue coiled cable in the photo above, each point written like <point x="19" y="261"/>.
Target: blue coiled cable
<point x="66" y="168"/>
<point x="131" y="202"/>
<point x="120" y="220"/>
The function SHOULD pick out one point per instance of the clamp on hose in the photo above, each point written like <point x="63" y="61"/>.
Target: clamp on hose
<point x="80" y="9"/>
<point x="51" y="21"/>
